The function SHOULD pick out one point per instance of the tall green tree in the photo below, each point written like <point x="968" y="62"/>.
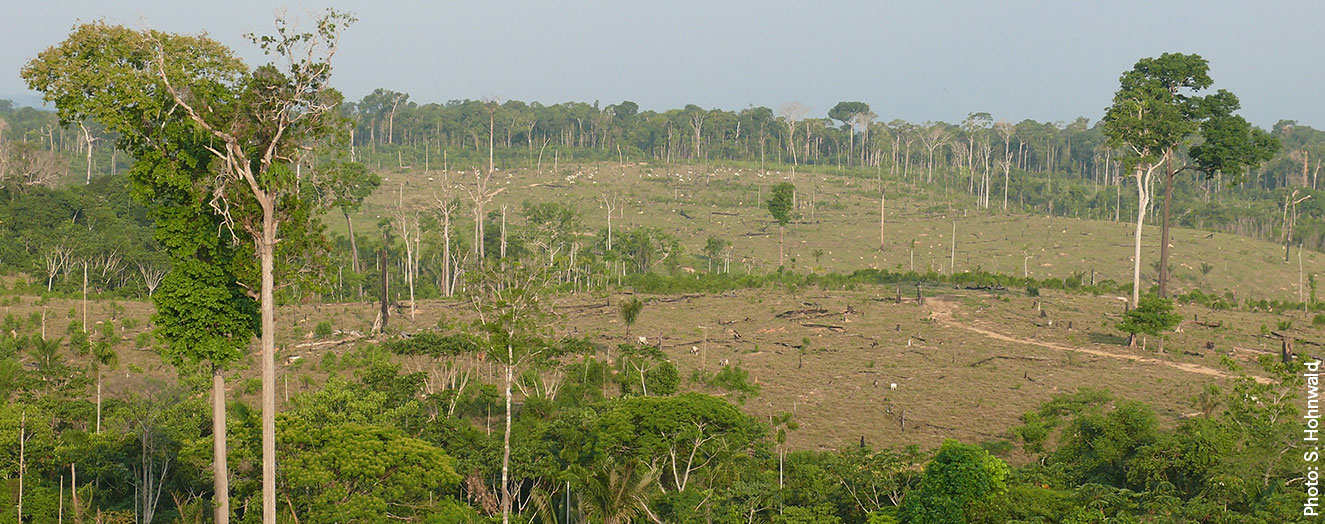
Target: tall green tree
<point x="1154" y="111"/>
<point x="849" y="114"/>
<point x="779" y="206"/>
<point x="159" y="90"/>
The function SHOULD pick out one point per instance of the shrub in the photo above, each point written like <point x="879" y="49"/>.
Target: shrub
<point x="323" y="329"/>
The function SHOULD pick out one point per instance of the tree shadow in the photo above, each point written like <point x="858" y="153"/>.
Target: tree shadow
<point x="1107" y="338"/>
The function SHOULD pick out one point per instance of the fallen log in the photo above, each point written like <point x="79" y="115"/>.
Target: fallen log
<point x="835" y="329"/>
<point x="809" y="312"/>
<point x="329" y="343"/>
<point x="1008" y="357"/>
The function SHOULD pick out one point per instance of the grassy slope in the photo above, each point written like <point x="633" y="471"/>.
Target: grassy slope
<point x="845" y="227"/>
<point x="936" y="353"/>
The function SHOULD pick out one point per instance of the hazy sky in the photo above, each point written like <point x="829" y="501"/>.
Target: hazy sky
<point x="1045" y="60"/>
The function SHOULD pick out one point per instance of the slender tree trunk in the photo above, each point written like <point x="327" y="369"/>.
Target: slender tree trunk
<point x="506" y="443"/>
<point x="22" y="459"/>
<point x="73" y="494"/>
<point x="385" y="311"/>
<point x="354" y="249"/>
<point x="266" y="251"/>
<point x="782" y="231"/>
<point x="446" y="255"/>
<point x="1164" y="231"/>
<point x="883" y="201"/>
<point x="1143" y="201"/>
<point x="220" y="473"/>
<point x="952" y="257"/>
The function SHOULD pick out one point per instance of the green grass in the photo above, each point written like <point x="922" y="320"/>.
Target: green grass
<point x="844" y="226"/>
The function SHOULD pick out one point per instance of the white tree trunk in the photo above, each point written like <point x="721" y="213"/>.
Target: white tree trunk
<point x="266" y="251"/>
<point x="220" y="473"/>
<point x="1143" y="194"/>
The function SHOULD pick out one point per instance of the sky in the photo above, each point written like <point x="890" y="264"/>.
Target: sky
<point x="913" y="60"/>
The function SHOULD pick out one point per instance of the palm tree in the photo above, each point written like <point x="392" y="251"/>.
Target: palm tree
<point x="619" y="493"/>
<point x="48" y="355"/>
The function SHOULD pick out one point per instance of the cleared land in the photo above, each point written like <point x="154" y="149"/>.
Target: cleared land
<point x="966" y="363"/>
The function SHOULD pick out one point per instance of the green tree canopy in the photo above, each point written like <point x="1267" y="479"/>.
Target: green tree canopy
<point x="780" y="202"/>
<point x="956" y="484"/>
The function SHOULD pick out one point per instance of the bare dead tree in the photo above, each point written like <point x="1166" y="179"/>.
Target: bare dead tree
<point x="57" y="259"/>
<point x="88" y="139"/>
<point x="792" y="113"/>
<point x="391" y="117"/>
<point x="611" y="204"/>
<point x="1290" y="219"/>
<point x="481" y="194"/>
<point x="934" y="137"/>
<point x="407" y="223"/>
<point x="446" y="206"/>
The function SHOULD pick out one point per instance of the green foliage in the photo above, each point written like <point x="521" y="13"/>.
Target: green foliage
<point x="79" y="341"/>
<point x="780" y="202"/>
<point x="652" y="428"/>
<point x="366" y="473"/>
<point x="630" y="310"/>
<point x="1038" y="425"/>
<point x="203" y="316"/>
<point x="644" y="369"/>
<point x="1152" y="316"/>
<point x="323" y="329"/>
<point x="433" y="344"/>
<point x="844" y="111"/>
<point x="1097" y="446"/>
<point x="1154" y="111"/>
<point x="957" y="485"/>
<point x="817" y="514"/>
<point x="733" y="380"/>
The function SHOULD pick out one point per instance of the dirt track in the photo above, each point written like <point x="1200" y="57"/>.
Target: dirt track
<point x="943" y="307"/>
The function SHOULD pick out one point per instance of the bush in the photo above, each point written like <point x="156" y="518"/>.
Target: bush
<point x="323" y="329"/>
<point x="1032" y="291"/>
<point x="1318" y="320"/>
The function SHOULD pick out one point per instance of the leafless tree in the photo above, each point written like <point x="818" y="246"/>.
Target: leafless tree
<point x="446" y="206"/>
<point x="57" y="259"/>
<point x="88" y="140"/>
<point x="1005" y="130"/>
<point x="697" y="124"/>
<point x="391" y="117"/>
<point x="792" y="113"/>
<point x="481" y="194"/>
<point x="611" y="203"/>
<point x="862" y="120"/>
<point x="407" y="223"/>
<point x="1290" y="219"/>
<point x="934" y="137"/>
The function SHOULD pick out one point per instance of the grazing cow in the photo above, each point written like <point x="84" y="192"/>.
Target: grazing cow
<point x="892" y="386"/>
